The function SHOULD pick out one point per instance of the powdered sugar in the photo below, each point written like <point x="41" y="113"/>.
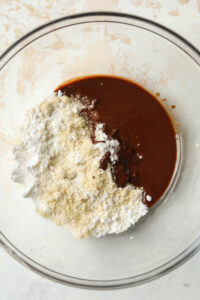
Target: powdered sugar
<point x="59" y="166"/>
<point x="108" y="145"/>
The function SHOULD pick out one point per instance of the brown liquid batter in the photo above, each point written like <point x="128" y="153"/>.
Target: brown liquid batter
<point x="147" y="152"/>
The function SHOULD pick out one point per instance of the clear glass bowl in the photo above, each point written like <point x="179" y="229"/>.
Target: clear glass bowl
<point x="116" y="44"/>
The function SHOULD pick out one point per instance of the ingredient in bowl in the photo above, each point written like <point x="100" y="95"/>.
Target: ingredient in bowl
<point x="140" y="123"/>
<point x="60" y="167"/>
<point x="96" y="155"/>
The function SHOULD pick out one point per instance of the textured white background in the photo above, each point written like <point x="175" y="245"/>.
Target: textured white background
<point x="16" y="18"/>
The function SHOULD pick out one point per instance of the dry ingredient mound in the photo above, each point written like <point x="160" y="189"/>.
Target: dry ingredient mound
<point x="59" y="166"/>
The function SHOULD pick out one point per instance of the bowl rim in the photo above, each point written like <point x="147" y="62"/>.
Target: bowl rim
<point x="179" y="259"/>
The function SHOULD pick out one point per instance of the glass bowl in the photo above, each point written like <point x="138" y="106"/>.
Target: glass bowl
<point x="115" y="44"/>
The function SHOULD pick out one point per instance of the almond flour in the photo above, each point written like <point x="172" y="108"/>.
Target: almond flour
<point x="59" y="166"/>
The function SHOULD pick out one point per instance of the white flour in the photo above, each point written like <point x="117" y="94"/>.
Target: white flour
<point x="59" y="166"/>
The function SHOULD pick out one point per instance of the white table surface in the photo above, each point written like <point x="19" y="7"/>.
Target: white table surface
<point x="16" y="18"/>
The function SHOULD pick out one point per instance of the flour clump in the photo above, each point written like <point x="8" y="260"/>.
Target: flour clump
<point x="59" y="166"/>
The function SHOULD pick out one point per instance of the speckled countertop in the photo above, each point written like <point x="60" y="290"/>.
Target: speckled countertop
<point x="16" y="18"/>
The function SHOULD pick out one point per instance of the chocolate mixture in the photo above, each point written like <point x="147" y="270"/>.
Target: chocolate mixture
<point x="147" y="151"/>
